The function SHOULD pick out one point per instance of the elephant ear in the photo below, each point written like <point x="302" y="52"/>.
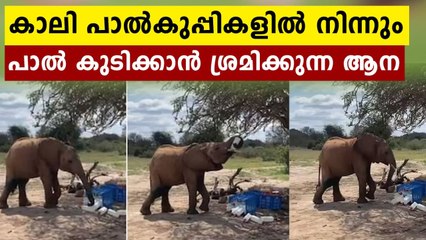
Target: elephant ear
<point x="50" y="149"/>
<point x="195" y="157"/>
<point x="367" y="145"/>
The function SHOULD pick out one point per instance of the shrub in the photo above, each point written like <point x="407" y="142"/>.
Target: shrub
<point x="278" y="154"/>
<point x="416" y="144"/>
<point x="251" y="152"/>
<point x="394" y="143"/>
<point x="104" y="146"/>
<point x="146" y="154"/>
<point x="4" y="148"/>
<point x="121" y="152"/>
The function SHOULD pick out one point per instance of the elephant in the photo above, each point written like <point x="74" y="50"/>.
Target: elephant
<point x="344" y="156"/>
<point x="41" y="157"/>
<point x="175" y="165"/>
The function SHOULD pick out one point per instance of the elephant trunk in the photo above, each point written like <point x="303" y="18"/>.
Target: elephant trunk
<point x="234" y="143"/>
<point x="392" y="169"/>
<point x="87" y="187"/>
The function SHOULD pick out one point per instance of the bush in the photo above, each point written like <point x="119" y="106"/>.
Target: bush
<point x="318" y="146"/>
<point x="122" y="152"/>
<point x="137" y="152"/>
<point x="4" y="148"/>
<point x="104" y="146"/>
<point x="416" y="144"/>
<point x="278" y="154"/>
<point x="146" y="154"/>
<point x="250" y="152"/>
<point x="394" y="143"/>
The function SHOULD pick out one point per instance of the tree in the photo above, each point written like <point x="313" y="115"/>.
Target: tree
<point x="186" y="138"/>
<point x="277" y="136"/>
<point x="94" y="105"/>
<point x="4" y="139"/>
<point x="375" y="125"/>
<point x="140" y="146"/>
<point x="313" y="134"/>
<point x="253" y="143"/>
<point x="402" y="104"/>
<point x="134" y="138"/>
<point x="65" y="131"/>
<point x="17" y="132"/>
<point x="106" y="137"/>
<point x="203" y="132"/>
<point x="161" y="138"/>
<point x="241" y="107"/>
<point x="333" y="131"/>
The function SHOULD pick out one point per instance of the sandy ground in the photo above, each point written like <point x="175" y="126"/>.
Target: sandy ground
<point x="377" y="219"/>
<point x="67" y="221"/>
<point x="215" y="224"/>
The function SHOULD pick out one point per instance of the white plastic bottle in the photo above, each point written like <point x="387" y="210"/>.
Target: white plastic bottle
<point x="267" y="218"/>
<point x="407" y="199"/>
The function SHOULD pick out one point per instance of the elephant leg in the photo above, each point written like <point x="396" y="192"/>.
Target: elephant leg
<point x="23" y="200"/>
<point x="154" y="194"/>
<point x="362" y="183"/>
<point x="56" y="188"/>
<point x="337" y="195"/>
<point x="165" y="203"/>
<point x="191" y="183"/>
<point x="9" y="187"/>
<point x="371" y="184"/>
<point x="325" y="183"/>
<point x="204" y="193"/>
<point x="46" y="179"/>
<point x="322" y="188"/>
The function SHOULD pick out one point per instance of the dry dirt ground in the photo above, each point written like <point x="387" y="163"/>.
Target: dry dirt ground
<point x="67" y="221"/>
<point x="216" y="224"/>
<point x="377" y="219"/>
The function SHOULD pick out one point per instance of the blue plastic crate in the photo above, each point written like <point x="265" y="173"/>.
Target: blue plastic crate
<point x="422" y="182"/>
<point x="120" y="195"/>
<point x="107" y="193"/>
<point x="250" y="200"/>
<point x="271" y="201"/>
<point x="416" y="188"/>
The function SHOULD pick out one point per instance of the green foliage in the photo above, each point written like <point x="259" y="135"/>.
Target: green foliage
<point x="313" y="134"/>
<point x="242" y="107"/>
<point x="277" y="137"/>
<point x="4" y="148"/>
<point x="139" y="146"/>
<point x="333" y="131"/>
<point x="375" y="125"/>
<point x="403" y="105"/>
<point x="16" y="132"/>
<point x="278" y="154"/>
<point x="94" y="105"/>
<point x="299" y="139"/>
<point x="203" y="132"/>
<point x="103" y="146"/>
<point x="253" y="143"/>
<point x="415" y="144"/>
<point x="250" y="152"/>
<point x="64" y="131"/>
<point x="307" y="138"/>
<point x="4" y="139"/>
<point x="161" y="138"/>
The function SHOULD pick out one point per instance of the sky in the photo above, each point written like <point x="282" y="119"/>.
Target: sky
<point x="149" y="109"/>
<point x="14" y="108"/>
<point x="315" y="104"/>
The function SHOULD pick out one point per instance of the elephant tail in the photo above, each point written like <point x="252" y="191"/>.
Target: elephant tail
<point x="319" y="177"/>
<point x="319" y="170"/>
